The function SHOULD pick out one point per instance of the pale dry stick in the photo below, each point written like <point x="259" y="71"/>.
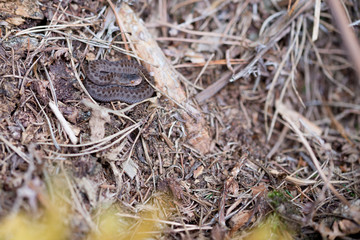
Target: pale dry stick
<point x="239" y="199"/>
<point x="117" y="175"/>
<point x="325" y="70"/>
<point x="357" y="22"/>
<point x="180" y="230"/>
<point x="314" y="159"/>
<point x="207" y="12"/>
<point x="227" y="58"/>
<point x="211" y="63"/>
<point x="307" y="78"/>
<point x="192" y="40"/>
<point x="101" y="141"/>
<point x="275" y="78"/>
<point x="272" y="88"/>
<point x="234" y="20"/>
<point x="75" y="71"/>
<point x="119" y="113"/>
<point x="201" y="33"/>
<point x="351" y="42"/>
<point x="340" y="104"/>
<point x="182" y="4"/>
<point x="317" y="10"/>
<point x="166" y="77"/>
<point x="202" y="71"/>
<point x="244" y="207"/>
<point x="299" y="54"/>
<point x="108" y="19"/>
<point x="15" y="149"/>
<point x="92" y="42"/>
<point x="44" y="28"/>
<point x="278" y="142"/>
<point x="316" y="185"/>
<point x="246" y="115"/>
<point x="16" y="76"/>
<point x="108" y="26"/>
<point x="264" y="25"/>
<point x="177" y="230"/>
<point x="41" y="45"/>
<point x="216" y="86"/>
<point x="26" y="74"/>
<point x="338" y="117"/>
<point x="303" y="182"/>
<point x="48" y="122"/>
<point x="98" y="148"/>
<point x="87" y="151"/>
<point x="52" y="89"/>
<point x="80" y="19"/>
<point x="65" y="124"/>
<point x="101" y="43"/>
<point x="97" y="143"/>
<point x="120" y="24"/>
<point x="223" y="81"/>
<point x="283" y="31"/>
<point x="162" y="9"/>
<point x="339" y="127"/>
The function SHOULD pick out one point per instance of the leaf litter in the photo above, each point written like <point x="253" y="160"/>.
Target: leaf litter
<point x="255" y="124"/>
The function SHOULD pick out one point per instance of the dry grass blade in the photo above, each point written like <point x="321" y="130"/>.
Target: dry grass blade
<point x="312" y="155"/>
<point x="63" y="122"/>
<point x="350" y="40"/>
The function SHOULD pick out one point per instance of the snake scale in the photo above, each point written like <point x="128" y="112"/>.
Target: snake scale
<point x="118" y="81"/>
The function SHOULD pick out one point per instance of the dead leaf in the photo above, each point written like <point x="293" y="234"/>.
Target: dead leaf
<point x="261" y="188"/>
<point x="328" y="233"/>
<point x="173" y="186"/>
<point x="90" y="188"/>
<point x="217" y="233"/>
<point x="198" y="171"/>
<point x="232" y="186"/>
<point x="301" y="121"/>
<point x="97" y="124"/>
<point x="23" y="43"/>
<point x="194" y="57"/>
<point x="22" y="8"/>
<point x="130" y="168"/>
<point x="15" y="20"/>
<point x="349" y="227"/>
<point x="239" y="219"/>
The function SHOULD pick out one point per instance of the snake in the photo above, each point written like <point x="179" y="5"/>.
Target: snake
<point x="122" y="80"/>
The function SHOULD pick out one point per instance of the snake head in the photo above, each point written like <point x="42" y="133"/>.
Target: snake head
<point x="128" y="79"/>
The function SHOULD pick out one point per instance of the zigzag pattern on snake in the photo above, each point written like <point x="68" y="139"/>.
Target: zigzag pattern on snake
<point x="118" y="81"/>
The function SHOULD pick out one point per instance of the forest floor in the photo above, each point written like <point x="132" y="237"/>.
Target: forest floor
<point x="253" y="131"/>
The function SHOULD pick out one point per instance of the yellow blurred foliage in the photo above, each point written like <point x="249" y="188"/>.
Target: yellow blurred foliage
<point x="21" y="226"/>
<point x="271" y="229"/>
<point x="114" y="225"/>
<point x="111" y="222"/>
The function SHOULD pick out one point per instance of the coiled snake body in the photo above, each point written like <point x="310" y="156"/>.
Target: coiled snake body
<point x="118" y="81"/>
